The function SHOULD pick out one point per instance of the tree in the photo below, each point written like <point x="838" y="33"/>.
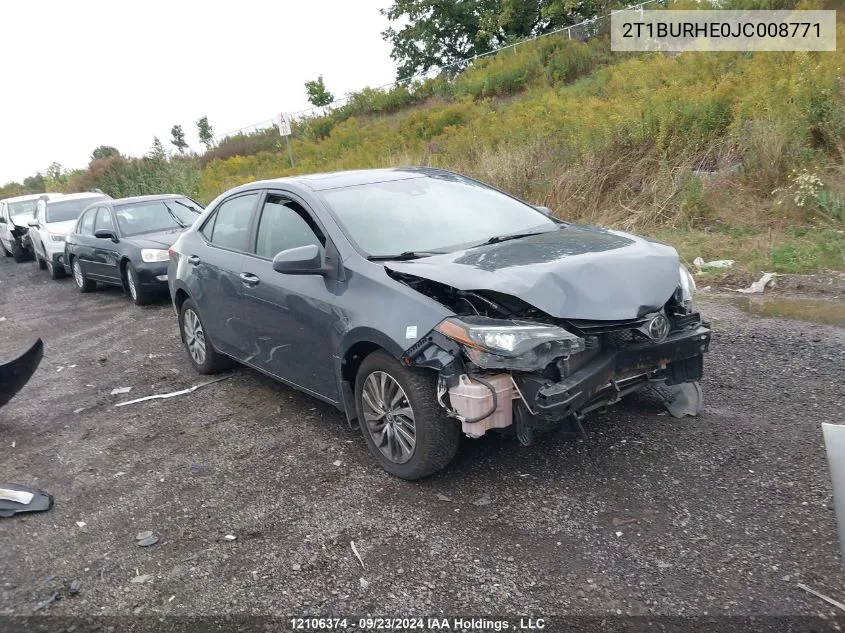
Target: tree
<point x="318" y="95"/>
<point x="157" y="150"/>
<point x="35" y="184"/>
<point x="178" y="138"/>
<point x="104" y="151"/>
<point x="439" y="33"/>
<point x="205" y="132"/>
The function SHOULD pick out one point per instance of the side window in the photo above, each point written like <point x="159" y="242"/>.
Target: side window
<point x="283" y="225"/>
<point x="86" y="223"/>
<point x="103" y="221"/>
<point x="229" y="228"/>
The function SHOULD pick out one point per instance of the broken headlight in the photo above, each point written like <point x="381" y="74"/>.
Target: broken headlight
<point x="687" y="288"/>
<point x="504" y="344"/>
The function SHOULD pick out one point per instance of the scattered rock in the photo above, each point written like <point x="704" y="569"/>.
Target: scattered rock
<point x="482" y="501"/>
<point x="46" y="602"/>
<point x="363" y="582"/>
<point x="337" y="462"/>
<point x="229" y="537"/>
<point x="137" y="580"/>
<point x="140" y="536"/>
<point x="80" y="524"/>
<point x="119" y="390"/>
<point x="619" y="522"/>
<point x="442" y="497"/>
<point x="150" y="540"/>
<point x="662" y="565"/>
<point x="75" y="587"/>
<point x="296" y="567"/>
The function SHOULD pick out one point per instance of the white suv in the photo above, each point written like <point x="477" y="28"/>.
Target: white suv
<point x="15" y="214"/>
<point x="53" y="220"/>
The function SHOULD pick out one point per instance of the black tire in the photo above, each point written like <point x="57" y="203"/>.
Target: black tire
<point x="212" y="361"/>
<point x="18" y="252"/>
<point x="56" y="272"/>
<point x="133" y="286"/>
<point x="436" y="435"/>
<point x="42" y="265"/>
<point x="82" y="282"/>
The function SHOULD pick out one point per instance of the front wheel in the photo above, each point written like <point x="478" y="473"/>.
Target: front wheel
<point x="140" y="296"/>
<point x="204" y="358"/>
<point x="82" y="282"/>
<point x="56" y="272"/>
<point x="18" y="252"/>
<point x="42" y="265"/>
<point x="405" y="428"/>
<point x="3" y="249"/>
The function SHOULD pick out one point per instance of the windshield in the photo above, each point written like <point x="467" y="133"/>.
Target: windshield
<point x="433" y="213"/>
<point x="25" y="208"/>
<point x="69" y="209"/>
<point x="156" y="215"/>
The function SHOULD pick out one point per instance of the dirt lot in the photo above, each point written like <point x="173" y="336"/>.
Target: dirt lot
<point x="722" y="514"/>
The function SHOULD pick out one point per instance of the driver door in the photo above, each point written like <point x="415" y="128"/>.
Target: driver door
<point x="290" y="318"/>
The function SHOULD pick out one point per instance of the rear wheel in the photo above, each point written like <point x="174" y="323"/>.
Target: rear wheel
<point x="42" y="265"/>
<point x="405" y="428"/>
<point x="140" y="296"/>
<point x="204" y="358"/>
<point x="82" y="282"/>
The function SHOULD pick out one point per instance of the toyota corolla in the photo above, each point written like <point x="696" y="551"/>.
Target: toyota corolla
<point x="424" y="304"/>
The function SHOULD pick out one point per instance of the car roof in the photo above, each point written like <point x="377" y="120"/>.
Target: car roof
<point x="33" y="196"/>
<point x="80" y="196"/>
<point x="341" y="179"/>
<point x="137" y="199"/>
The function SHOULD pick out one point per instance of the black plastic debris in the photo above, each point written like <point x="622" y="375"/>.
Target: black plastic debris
<point x="15" y="499"/>
<point x="15" y="373"/>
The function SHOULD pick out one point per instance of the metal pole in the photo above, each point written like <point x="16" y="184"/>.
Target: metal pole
<point x="834" y="441"/>
<point x="290" y="152"/>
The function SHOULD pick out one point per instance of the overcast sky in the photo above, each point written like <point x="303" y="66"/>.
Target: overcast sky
<point x="82" y="73"/>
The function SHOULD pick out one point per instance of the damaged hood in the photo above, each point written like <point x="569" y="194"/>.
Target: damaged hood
<point x="575" y="272"/>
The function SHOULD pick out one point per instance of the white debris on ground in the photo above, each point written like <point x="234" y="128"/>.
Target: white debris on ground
<point x="758" y="286"/>
<point x="722" y="264"/>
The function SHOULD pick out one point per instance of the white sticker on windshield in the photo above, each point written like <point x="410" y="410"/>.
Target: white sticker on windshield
<point x="411" y="331"/>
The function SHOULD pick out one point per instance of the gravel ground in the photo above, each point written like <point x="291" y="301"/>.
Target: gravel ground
<point x="722" y="514"/>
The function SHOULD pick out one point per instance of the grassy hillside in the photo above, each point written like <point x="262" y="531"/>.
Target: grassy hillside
<point x="728" y="155"/>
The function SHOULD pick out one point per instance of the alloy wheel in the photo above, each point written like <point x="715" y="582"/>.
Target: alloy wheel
<point x="194" y="336"/>
<point x="389" y="417"/>
<point x="130" y="281"/>
<point x="77" y="274"/>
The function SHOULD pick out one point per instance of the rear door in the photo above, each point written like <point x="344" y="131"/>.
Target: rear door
<point x="106" y="255"/>
<point x="216" y="254"/>
<point x="81" y="243"/>
<point x="290" y="318"/>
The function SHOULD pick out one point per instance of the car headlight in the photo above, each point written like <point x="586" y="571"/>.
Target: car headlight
<point x="154" y="255"/>
<point x="519" y="345"/>
<point x="57" y="238"/>
<point x="687" y="288"/>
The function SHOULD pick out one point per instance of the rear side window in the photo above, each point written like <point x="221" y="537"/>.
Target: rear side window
<point x="86" y="224"/>
<point x="283" y="225"/>
<point x="229" y="228"/>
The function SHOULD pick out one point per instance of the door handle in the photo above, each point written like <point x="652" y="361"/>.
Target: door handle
<point x="249" y="280"/>
<point x="193" y="260"/>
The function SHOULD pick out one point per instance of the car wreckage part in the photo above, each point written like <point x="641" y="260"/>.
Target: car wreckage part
<point x="16" y="373"/>
<point x="482" y="404"/>
<point x="15" y="499"/>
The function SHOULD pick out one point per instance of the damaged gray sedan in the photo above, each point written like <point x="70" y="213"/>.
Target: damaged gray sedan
<point x="425" y="304"/>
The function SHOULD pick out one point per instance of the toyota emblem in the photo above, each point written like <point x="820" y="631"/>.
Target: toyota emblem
<point x="658" y="328"/>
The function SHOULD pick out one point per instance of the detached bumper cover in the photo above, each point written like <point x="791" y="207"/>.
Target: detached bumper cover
<point x="679" y="358"/>
<point x="15" y="373"/>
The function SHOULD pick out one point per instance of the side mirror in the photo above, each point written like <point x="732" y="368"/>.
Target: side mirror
<point x="544" y="210"/>
<point x="302" y="260"/>
<point x="33" y="223"/>
<point x="105" y="234"/>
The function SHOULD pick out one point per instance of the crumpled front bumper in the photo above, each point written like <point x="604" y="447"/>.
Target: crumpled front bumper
<point x="611" y="374"/>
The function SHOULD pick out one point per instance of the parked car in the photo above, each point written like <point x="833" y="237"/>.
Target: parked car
<point x="423" y="303"/>
<point x="53" y="220"/>
<point x="15" y="214"/>
<point x="124" y="242"/>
